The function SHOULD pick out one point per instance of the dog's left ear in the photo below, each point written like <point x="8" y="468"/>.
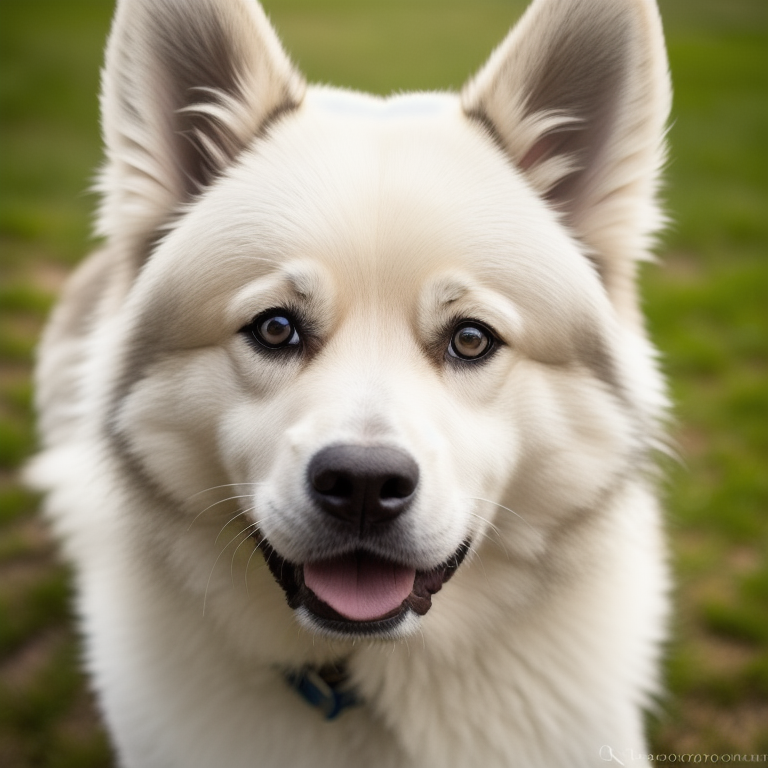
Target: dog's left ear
<point x="578" y="95"/>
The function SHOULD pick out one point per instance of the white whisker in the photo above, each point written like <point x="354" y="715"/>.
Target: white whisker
<point x="482" y="564"/>
<point x="501" y="506"/>
<point x="210" y="575"/>
<point x="221" y="530"/>
<point x="224" y="485"/>
<point x="498" y="540"/>
<point x="250" y="557"/>
<point x="232" y="561"/>
<point x="221" y="501"/>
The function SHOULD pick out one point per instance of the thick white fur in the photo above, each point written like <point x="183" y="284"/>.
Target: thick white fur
<point x="229" y="189"/>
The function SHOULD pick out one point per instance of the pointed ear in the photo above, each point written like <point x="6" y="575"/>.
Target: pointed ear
<point x="186" y="85"/>
<point x="578" y="95"/>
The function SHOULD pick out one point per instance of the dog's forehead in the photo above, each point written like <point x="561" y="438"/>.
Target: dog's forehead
<point x="385" y="187"/>
<point x="385" y="196"/>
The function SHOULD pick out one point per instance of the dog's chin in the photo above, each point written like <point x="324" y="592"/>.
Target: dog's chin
<point x="360" y="594"/>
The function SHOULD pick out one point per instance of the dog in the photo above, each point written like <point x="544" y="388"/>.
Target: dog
<point x="353" y="417"/>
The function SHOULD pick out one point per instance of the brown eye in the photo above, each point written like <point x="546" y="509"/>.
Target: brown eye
<point x="470" y="341"/>
<point x="274" y="329"/>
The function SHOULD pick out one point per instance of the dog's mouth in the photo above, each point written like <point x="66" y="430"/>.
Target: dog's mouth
<point x="358" y="592"/>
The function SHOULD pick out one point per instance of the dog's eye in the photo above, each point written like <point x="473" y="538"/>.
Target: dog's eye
<point x="470" y="341"/>
<point x="274" y="329"/>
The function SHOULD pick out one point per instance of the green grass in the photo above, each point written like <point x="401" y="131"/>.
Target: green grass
<point x="706" y="304"/>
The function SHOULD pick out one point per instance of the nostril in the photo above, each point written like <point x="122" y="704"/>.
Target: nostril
<point x="397" y="488"/>
<point x="331" y="483"/>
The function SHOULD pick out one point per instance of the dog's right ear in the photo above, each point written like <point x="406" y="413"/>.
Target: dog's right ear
<point x="186" y="85"/>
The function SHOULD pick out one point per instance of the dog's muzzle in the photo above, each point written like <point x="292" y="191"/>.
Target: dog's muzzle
<point x="364" y="489"/>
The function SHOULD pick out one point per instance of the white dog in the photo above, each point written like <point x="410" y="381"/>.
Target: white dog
<point x="338" y="349"/>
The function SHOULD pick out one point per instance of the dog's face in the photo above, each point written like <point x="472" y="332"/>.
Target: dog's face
<point x="375" y="322"/>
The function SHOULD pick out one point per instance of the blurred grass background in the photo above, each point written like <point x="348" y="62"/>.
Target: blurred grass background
<point x="706" y="303"/>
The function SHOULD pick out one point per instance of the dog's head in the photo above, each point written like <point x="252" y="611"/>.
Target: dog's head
<point x="398" y="328"/>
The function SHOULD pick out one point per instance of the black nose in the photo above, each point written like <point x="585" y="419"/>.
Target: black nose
<point x="363" y="485"/>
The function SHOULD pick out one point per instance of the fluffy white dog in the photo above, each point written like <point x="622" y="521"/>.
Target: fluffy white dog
<point x="339" y="349"/>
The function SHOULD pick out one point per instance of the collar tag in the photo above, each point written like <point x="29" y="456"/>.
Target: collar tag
<point x="320" y="688"/>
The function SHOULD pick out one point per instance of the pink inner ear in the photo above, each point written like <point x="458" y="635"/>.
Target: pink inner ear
<point x="545" y="147"/>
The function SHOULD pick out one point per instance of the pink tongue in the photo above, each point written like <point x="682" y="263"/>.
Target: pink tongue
<point x="359" y="586"/>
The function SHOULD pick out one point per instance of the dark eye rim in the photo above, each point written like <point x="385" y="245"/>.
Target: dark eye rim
<point x="251" y="332"/>
<point x="455" y="356"/>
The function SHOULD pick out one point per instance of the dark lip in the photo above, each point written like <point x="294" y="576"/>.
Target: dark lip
<point x="290" y="576"/>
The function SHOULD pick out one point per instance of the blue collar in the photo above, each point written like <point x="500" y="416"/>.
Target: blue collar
<point x="323" y="688"/>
